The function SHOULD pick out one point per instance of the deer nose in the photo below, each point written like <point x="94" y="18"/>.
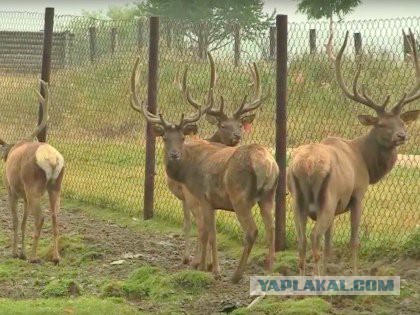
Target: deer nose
<point x="402" y="136"/>
<point x="174" y="155"/>
<point x="237" y="135"/>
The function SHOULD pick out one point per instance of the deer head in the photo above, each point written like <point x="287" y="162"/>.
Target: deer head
<point x="389" y="126"/>
<point x="173" y="135"/>
<point x="229" y="126"/>
<point x="5" y="147"/>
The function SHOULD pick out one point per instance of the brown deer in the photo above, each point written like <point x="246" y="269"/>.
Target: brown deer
<point x="217" y="177"/>
<point x="329" y="178"/>
<point x="31" y="168"/>
<point x="229" y="133"/>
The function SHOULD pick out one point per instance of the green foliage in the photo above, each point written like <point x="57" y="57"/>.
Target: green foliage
<point x="61" y="288"/>
<point x="307" y="306"/>
<point x="80" y="306"/>
<point x="318" y="9"/>
<point x="112" y="289"/>
<point x="125" y="12"/>
<point x="191" y="280"/>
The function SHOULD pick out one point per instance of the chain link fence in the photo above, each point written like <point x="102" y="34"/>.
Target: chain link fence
<point x="103" y="139"/>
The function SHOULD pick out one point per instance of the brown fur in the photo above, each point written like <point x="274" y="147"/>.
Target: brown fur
<point x="25" y="179"/>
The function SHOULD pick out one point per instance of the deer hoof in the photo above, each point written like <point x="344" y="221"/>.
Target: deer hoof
<point x="56" y="261"/>
<point x="22" y="256"/>
<point x="35" y="261"/>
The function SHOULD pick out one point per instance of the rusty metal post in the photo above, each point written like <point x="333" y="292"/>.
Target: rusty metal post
<point x="113" y="40"/>
<point x="149" y="180"/>
<point x="237" y="45"/>
<point x="357" y="43"/>
<point x="92" y="43"/>
<point x="312" y="41"/>
<point x="46" y="63"/>
<point x="281" y="102"/>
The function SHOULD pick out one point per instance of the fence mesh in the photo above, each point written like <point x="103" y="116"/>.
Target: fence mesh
<point x="103" y="139"/>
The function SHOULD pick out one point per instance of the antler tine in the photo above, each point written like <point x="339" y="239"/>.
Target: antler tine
<point x="185" y="91"/>
<point x="328" y="46"/>
<point x="191" y="119"/>
<point x="44" y="106"/>
<point x="258" y="100"/>
<point x="414" y="94"/>
<point x="217" y="112"/>
<point x="365" y="99"/>
<point x="141" y="106"/>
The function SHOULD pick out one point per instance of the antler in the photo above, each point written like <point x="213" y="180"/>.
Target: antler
<point x="141" y="106"/>
<point x="362" y="98"/>
<point x="414" y="94"/>
<point x="44" y="106"/>
<point x="182" y="86"/>
<point x="245" y="107"/>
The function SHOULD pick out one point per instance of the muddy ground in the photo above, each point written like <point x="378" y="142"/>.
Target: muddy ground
<point x="94" y="238"/>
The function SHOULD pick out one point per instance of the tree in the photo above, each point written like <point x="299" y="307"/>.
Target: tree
<point x="211" y="23"/>
<point x="318" y="9"/>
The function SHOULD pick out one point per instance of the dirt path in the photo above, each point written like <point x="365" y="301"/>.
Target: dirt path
<point x="93" y="242"/>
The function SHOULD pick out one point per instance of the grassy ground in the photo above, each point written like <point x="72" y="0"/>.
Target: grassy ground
<point x="113" y="263"/>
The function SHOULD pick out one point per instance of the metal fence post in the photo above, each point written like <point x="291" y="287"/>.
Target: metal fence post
<point x="113" y="40"/>
<point x="312" y="41"/>
<point x="149" y="180"/>
<point x="357" y="43"/>
<point x="92" y="43"/>
<point x="46" y="63"/>
<point x="281" y="102"/>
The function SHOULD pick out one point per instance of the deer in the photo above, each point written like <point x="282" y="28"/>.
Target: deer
<point x="216" y="177"/>
<point x="32" y="168"/>
<point x="330" y="178"/>
<point x="229" y="133"/>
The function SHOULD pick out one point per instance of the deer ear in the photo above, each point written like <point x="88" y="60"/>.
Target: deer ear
<point x="212" y="119"/>
<point x="411" y="116"/>
<point x="158" y="130"/>
<point x="190" y="129"/>
<point x="248" y="119"/>
<point x="368" y="120"/>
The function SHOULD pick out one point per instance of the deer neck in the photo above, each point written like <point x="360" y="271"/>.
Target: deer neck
<point x="215" y="138"/>
<point x="379" y="160"/>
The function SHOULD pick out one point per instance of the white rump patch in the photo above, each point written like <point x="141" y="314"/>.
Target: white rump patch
<point x="50" y="161"/>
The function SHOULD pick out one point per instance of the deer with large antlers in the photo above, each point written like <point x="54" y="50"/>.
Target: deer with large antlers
<point x="31" y="168"/>
<point x="217" y="177"/>
<point x="329" y="178"/>
<point x="229" y="133"/>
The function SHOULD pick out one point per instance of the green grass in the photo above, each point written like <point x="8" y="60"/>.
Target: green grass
<point x="79" y="306"/>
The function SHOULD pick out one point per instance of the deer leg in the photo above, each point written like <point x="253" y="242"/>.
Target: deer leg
<point x="324" y="220"/>
<point x="266" y="206"/>
<point x="22" y="254"/>
<point x="209" y="217"/>
<point x="187" y="229"/>
<point x="54" y="196"/>
<point x="301" y="219"/>
<point x="327" y="248"/>
<point x="13" y="201"/>
<point x="247" y="222"/>
<point x="355" y="215"/>
<point x="34" y="205"/>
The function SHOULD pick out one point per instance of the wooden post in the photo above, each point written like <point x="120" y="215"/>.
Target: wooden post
<point x="149" y="180"/>
<point x="46" y="63"/>
<point x="272" y="42"/>
<point x="312" y="41"/>
<point x="357" y="43"/>
<point x="92" y="43"/>
<point x="281" y="104"/>
<point x="113" y="40"/>
<point x="237" y="45"/>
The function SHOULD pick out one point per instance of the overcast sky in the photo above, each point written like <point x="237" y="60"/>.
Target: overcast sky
<point x="369" y="9"/>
